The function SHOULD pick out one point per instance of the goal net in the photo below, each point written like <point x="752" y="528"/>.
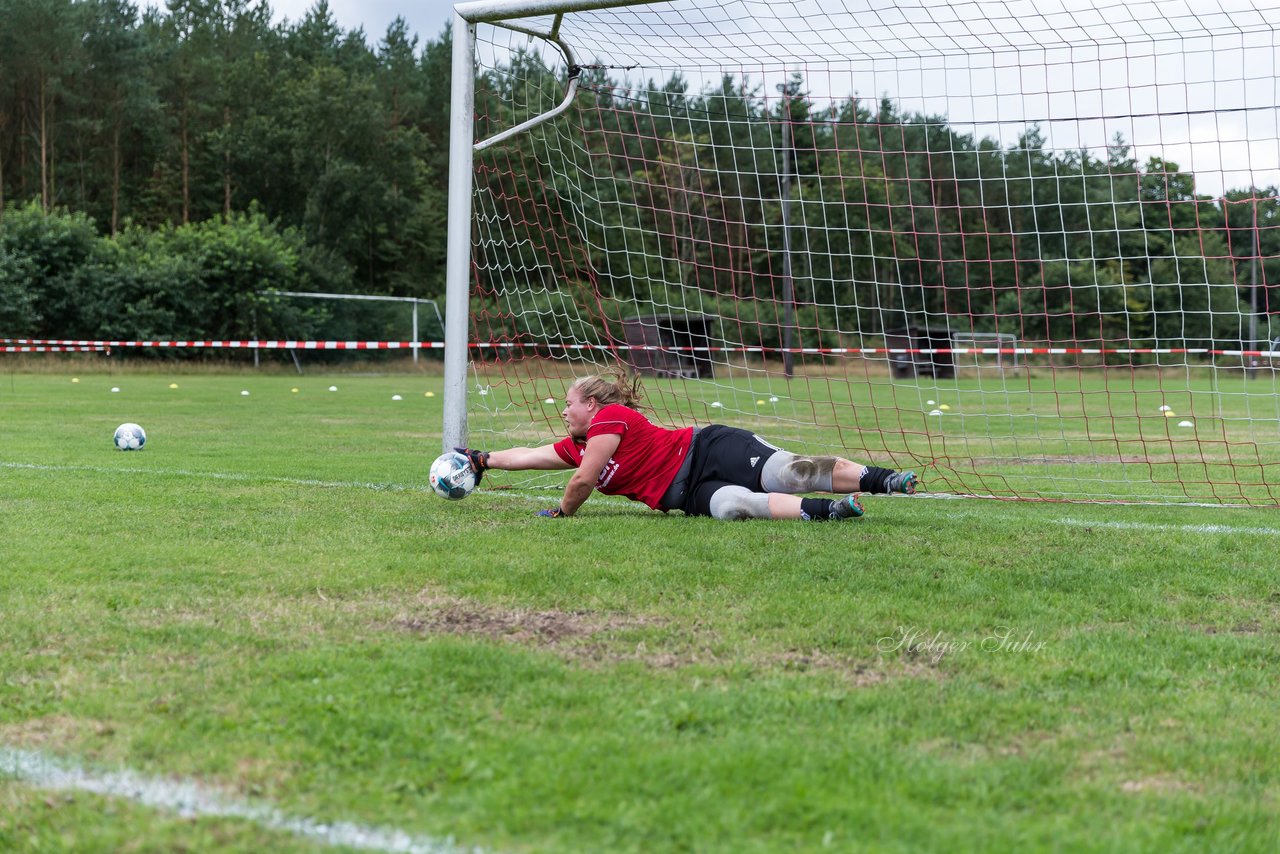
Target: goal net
<point x="1025" y="248"/>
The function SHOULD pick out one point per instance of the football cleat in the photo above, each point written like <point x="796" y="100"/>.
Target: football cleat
<point x="848" y="507"/>
<point x="903" y="481"/>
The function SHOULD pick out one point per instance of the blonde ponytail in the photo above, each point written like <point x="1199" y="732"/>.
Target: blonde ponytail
<point x="619" y="387"/>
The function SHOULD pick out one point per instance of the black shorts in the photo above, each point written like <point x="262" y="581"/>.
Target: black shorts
<point x="724" y="456"/>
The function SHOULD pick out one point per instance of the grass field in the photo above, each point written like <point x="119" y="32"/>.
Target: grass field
<point x="267" y="607"/>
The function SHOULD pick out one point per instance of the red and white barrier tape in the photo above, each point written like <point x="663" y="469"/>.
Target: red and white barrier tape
<point x="8" y="348"/>
<point x="230" y="345"/>
<point x="23" y="345"/>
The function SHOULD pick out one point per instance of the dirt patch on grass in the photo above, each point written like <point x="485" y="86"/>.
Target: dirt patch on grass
<point x="861" y="673"/>
<point x="585" y="637"/>
<point x="435" y="612"/>
<point x="599" y="639"/>
<point x="527" y="627"/>
<point x="53" y="731"/>
<point x="1160" y="784"/>
<point x="1250" y="627"/>
<point x="1020" y="745"/>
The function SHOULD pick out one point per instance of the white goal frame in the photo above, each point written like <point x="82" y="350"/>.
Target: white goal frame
<point x="1108" y="297"/>
<point x="415" y="342"/>
<point x="462" y="148"/>
<point x="1001" y="345"/>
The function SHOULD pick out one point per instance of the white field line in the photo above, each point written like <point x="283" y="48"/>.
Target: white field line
<point x="190" y="800"/>
<point x="210" y="475"/>
<point x="1158" y="526"/>
<point x="1069" y="522"/>
<point x="548" y="495"/>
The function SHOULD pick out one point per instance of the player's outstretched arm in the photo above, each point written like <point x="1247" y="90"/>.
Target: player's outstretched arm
<point x="515" y="459"/>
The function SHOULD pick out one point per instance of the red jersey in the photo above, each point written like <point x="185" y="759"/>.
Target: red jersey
<point x="647" y="458"/>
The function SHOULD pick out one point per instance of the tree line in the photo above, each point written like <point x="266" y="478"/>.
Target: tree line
<point x="145" y="155"/>
<point x="895" y="220"/>
<point x="205" y="120"/>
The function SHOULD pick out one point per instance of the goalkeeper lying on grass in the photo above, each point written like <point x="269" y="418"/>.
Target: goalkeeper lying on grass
<point x="717" y="471"/>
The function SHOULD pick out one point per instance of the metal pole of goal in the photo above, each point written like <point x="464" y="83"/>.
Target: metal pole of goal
<point x="461" y="160"/>
<point x="1252" y="370"/>
<point x="457" y="287"/>
<point x="788" y="284"/>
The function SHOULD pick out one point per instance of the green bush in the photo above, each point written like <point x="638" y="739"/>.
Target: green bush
<point x="60" y="279"/>
<point x="47" y="257"/>
<point x="18" y="315"/>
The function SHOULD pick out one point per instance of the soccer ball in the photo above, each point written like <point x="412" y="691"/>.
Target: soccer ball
<point x="451" y="476"/>
<point x="129" y="437"/>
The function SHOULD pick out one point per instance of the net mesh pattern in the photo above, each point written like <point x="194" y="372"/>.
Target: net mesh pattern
<point x="1028" y="249"/>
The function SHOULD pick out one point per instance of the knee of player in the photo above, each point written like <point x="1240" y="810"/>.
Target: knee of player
<point x="793" y="474"/>
<point x="738" y="502"/>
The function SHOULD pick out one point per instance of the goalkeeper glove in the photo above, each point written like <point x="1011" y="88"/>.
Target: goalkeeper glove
<point x="557" y="513"/>
<point x="479" y="461"/>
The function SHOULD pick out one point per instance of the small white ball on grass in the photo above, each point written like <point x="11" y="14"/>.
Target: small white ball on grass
<point x="773" y="399"/>
<point x="936" y="412"/>
<point x="931" y="403"/>
<point x="1166" y="408"/>
<point x="333" y="388"/>
<point x="396" y="397"/>
<point x="1185" y="424"/>
<point x="115" y="389"/>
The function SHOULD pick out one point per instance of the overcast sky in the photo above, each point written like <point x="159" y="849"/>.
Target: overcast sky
<point x="424" y="17"/>
<point x="1231" y="148"/>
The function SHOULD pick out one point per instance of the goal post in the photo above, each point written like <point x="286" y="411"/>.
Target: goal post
<point x="461" y="163"/>
<point x="1030" y="249"/>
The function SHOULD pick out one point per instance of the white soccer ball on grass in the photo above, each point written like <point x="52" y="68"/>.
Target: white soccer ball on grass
<point x="451" y="476"/>
<point x="129" y="437"/>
